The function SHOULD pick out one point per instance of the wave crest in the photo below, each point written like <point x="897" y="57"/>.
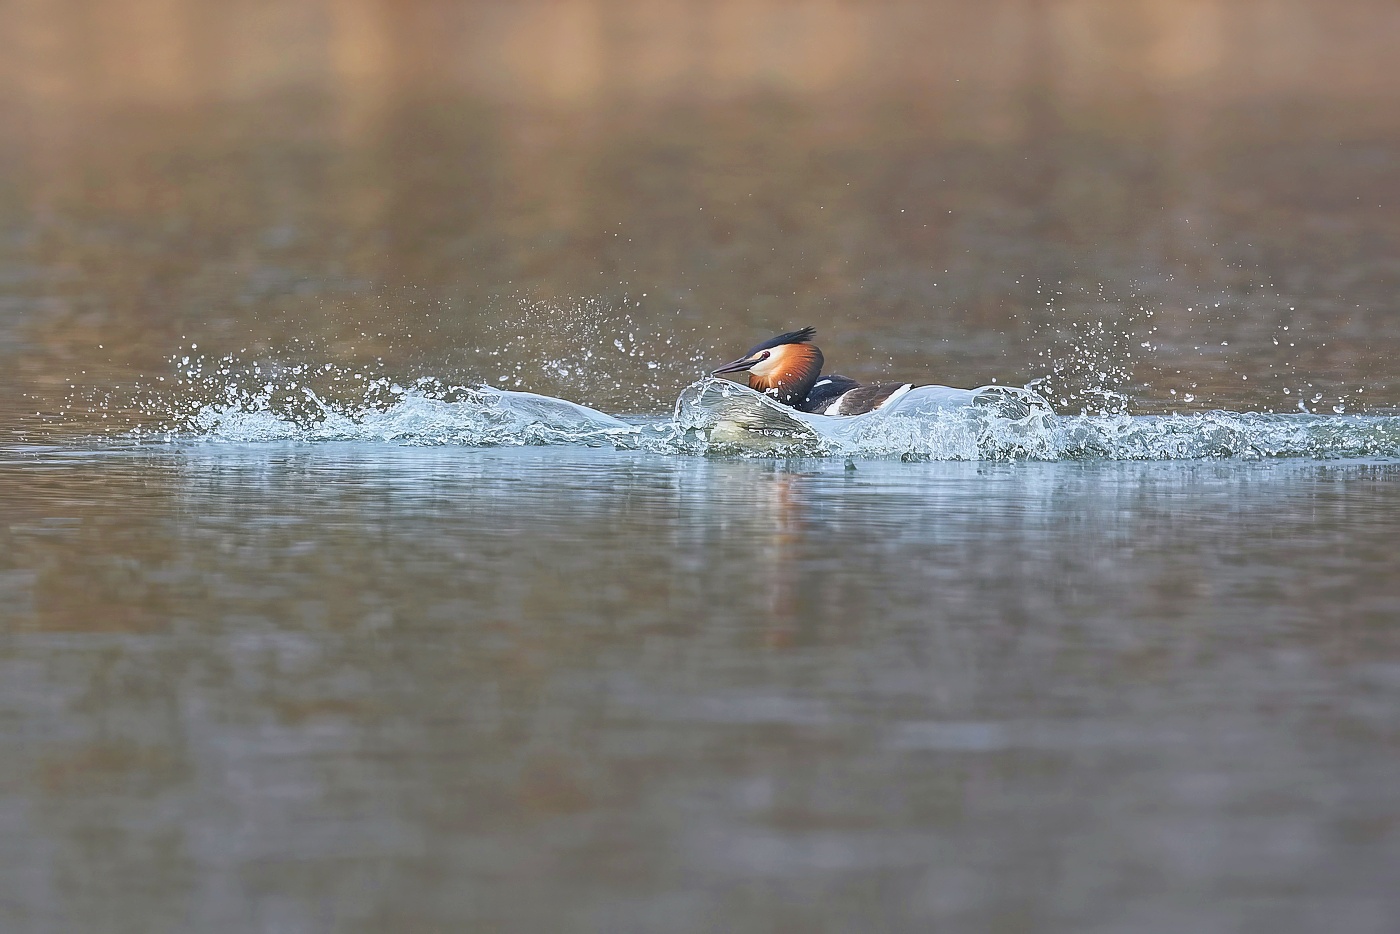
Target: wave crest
<point x="423" y="414"/>
<point x="719" y="417"/>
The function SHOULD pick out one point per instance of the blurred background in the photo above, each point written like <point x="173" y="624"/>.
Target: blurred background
<point x="1134" y="198"/>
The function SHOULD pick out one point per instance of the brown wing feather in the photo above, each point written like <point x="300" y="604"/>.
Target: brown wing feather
<point x="867" y="398"/>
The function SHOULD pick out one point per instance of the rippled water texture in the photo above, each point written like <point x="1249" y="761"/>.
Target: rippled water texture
<point x="352" y="686"/>
<point x="376" y="556"/>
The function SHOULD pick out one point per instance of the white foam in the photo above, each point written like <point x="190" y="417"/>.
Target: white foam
<point x="999" y="422"/>
<point x="478" y="416"/>
<point x="716" y="416"/>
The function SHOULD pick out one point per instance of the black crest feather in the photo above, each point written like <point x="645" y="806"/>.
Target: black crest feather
<point x="791" y="337"/>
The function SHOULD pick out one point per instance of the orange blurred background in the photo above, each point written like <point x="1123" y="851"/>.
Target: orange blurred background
<point x="944" y="187"/>
<point x="57" y="54"/>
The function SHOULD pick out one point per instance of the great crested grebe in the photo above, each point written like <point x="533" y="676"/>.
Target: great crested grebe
<point x="788" y="368"/>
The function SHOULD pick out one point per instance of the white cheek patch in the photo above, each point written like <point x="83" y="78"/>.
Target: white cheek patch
<point x="775" y="362"/>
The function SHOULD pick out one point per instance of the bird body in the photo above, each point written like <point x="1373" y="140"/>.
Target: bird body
<point x="788" y="368"/>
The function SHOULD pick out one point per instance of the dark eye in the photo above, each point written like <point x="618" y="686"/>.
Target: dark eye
<point x="765" y="355"/>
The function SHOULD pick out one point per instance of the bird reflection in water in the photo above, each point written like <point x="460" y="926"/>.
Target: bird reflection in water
<point x="786" y="514"/>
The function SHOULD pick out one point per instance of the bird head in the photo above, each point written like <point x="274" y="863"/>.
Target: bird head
<point x="784" y="367"/>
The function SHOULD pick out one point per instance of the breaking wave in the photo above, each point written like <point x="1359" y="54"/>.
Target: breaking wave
<point x="718" y="417"/>
<point x="475" y="417"/>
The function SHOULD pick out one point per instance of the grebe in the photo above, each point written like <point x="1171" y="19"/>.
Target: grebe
<point x="788" y="368"/>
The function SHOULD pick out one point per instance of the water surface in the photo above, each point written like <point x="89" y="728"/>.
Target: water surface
<point x="351" y="686"/>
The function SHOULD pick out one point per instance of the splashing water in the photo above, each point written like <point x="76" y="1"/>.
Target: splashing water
<point x="299" y="403"/>
<point x="1091" y="361"/>
<point x="587" y="349"/>
<point x="232" y="400"/>
<point x="227" y="400"/>
<point x="425" y="413"/>
<point x="1005" y="423"/>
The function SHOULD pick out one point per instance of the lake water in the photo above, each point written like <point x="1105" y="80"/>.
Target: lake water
<point x="353" y="686"/>
<point x="313" y="619"/>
